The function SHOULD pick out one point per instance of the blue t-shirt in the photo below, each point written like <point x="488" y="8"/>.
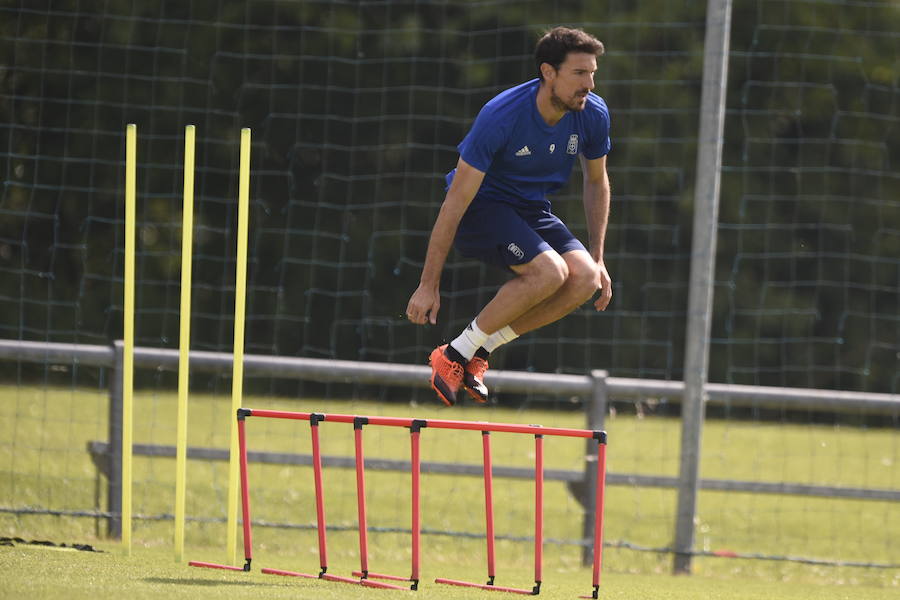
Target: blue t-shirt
<point x="523" y="158"/>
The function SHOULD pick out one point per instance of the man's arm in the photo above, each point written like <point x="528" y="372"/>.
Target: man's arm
<point x="426" y="300"/>
<point x="596" y="200"/>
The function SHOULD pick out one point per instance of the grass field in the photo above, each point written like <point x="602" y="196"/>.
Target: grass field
<point x="42" y="574"/>
<point x="43" y="462"/>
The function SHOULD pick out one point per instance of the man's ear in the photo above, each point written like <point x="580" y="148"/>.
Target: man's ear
<point x="548" y="71"/>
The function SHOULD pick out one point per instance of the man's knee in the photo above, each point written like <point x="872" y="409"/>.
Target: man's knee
<point x="582" y="278"/>
<point x="547" y="272"/>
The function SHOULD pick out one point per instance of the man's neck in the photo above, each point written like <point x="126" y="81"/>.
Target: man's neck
<point x="550" y="113"/>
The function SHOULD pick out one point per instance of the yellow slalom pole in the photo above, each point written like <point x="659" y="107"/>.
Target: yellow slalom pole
<point x="184" y="340"/>
<point x="128" y="332"/>
<point x="240" y="301"/>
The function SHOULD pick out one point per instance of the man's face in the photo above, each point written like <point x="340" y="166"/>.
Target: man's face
<point x="570" y="84"/>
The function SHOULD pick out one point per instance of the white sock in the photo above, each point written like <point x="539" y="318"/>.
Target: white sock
<point x="498" y="338"/>
<point x="470" y="340"/>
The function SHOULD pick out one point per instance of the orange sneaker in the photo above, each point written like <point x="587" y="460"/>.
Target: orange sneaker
<point x="446" y="375"/>
<point x="473" y="379"/>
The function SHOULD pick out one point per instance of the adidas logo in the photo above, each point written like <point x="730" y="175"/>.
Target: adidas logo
<point x="524" y="151"/>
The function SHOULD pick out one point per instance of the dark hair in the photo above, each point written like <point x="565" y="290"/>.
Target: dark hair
<point x="556" y="44"/>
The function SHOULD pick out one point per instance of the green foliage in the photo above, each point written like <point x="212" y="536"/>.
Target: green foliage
<point x="356" y="109"/>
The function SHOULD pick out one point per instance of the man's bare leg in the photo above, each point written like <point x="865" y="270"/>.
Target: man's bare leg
<point x="535" y="282"/>
<point x="581" y="282"/>
<point x="579" y="287"/>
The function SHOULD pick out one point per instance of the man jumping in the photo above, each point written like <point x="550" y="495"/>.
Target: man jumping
<point x="520" y="149"/>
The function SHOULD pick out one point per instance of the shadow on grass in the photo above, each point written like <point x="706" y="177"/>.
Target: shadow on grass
<point x="205" y="582"/>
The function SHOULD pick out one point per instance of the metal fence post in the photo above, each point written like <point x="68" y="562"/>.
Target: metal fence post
<point x="596" y="413"/>
<point x="114" y="452"/>
<point x="703" y="253"/>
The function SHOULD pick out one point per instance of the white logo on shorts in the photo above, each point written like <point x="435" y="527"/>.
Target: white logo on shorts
<point x="572" y="148"/>
<point x="517" y="252"/>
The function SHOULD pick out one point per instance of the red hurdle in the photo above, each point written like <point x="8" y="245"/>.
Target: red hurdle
<point x="489" y="521"/>
<point x="245" y="507"/>
<point x="314" y="419"/>
<point x="598" y="516"/>
<point x="366" y="577"/>
<point x="364" y="573"/>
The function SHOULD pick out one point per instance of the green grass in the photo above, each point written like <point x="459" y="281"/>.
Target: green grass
<point x="43" y="463"/>
<point x="39" y="574"/>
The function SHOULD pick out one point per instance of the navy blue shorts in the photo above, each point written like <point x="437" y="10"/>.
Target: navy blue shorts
<point x="504" y="235"/>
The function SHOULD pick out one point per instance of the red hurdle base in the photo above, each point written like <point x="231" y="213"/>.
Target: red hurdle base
<point x="380" y="576"/>
<point x="207" y="565"/>
<point x="363" y="582"/>
<point x="593" y="596"/>
<point x="493" y="588"/>
<point x="338" y="578"/>
<point x="379" y="584"/>
<point x="288" y="573"/>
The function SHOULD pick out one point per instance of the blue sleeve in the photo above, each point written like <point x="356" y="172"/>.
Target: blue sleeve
<point x="598" y="142"/>
<point x="483" y="141"/>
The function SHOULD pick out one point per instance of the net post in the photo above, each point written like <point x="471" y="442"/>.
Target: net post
<point x="707" y="191"/>
<point x="538" y="511"/>
<point x="488" y="503"/>
<point x="358" y="423"/>
<point x="114" y="486"/>
<point x="242" y="414"/>
<point x="314" y="419"/>
<point x="596" y="413"/>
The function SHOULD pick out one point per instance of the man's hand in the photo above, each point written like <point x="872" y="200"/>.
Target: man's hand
<point x="424" y="305"/>
<point x="604" y="283"/>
